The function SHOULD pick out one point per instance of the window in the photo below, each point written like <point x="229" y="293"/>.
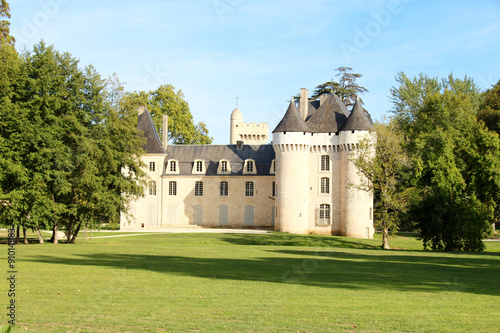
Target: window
<point x="273" y="167"/>
<point x="151" y="166"/>
<point x="172" y="188"/>
<point x="198" y="189"/>
<point x="325" y="185"/>
<point x="324" y="215"/>
<point x="152" y="187"/>
<point x="249" y="189"/>
<point x="199" y="166"/>
<point x="224" y="167"/>
<point x="173" y="166"/>
<point x="325" y="163"/>
<point x="223" y="189"/>
<point x="249" y="166"/>
<point x="275" y="189"/>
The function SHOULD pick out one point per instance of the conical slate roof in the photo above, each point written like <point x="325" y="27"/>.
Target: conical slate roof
<point x="329" y="117"/>
<point x="358" y="120"/>
<point x="153" y="143"/>
<point x="292" y="121"/>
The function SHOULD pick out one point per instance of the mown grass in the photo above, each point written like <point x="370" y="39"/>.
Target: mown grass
<point x="253" y="283"/>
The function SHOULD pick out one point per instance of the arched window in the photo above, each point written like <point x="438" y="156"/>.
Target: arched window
<point x="325" y="163"/>
<point x="325" y="185"/>
<point x="324" y="215"/>
<point x="224" y="189"/>
<point x="249" y="189"/>
<point x="172" y="188"/>
<point x="198" y="189"/>
<point x="152" y="187"/>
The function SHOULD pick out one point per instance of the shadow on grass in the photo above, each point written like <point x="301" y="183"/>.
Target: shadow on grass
<point x="282" y="239"/>
<point x="370" y="270"/>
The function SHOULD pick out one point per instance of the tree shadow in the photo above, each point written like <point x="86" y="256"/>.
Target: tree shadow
<point x="284" y="239"/>
<point x="371" y="270"/>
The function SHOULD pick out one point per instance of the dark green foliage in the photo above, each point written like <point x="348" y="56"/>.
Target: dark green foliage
<point x="69" y="157"/>
<point x="346" y="89"/>
<point x="489" y="111"/>
<point x="165" y="100"/>
<point x="456" y="161"/>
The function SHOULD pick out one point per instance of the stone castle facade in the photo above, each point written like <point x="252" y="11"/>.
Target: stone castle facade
<point x="302" y="183"/>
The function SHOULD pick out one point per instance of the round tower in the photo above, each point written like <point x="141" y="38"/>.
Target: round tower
<point x="236" y="118"/>
<point x="357" y="205"/>
<point x="291" y="142"/>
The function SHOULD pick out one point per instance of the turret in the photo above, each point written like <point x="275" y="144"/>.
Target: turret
<point x="291" y="142"/>
<point x="236" y="118"/>
<point x="357" y="205"/>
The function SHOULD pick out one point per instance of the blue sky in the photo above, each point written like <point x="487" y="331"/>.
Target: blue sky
<point x="265" y="51"/>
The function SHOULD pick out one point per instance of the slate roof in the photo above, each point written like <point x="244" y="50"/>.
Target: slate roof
<point x="329" y="117"/>
<point x="153" y="143"/>
<point x="358" y="120"/>
<point x="263" y="156"/>
<point x="292" y="121"/>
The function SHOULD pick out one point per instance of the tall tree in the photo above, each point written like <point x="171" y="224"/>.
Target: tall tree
<point x="456" y="161"/>
<point x="489" y="111"/>
<point x="5" y="36"/>
<point x="165" y="100"/>
<point x="346" y="88"/>
<point x="384" y="164"/>
<point x="71" y="158"/>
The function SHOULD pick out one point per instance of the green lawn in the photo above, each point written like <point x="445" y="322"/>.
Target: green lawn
<point x="253" y="283"/>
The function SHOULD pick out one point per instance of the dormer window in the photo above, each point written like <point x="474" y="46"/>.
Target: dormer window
<point x="172" y="167"/>
<point x="224" y="167"/>
<point x="198" y="167"/>
<point x="250" y="168"/>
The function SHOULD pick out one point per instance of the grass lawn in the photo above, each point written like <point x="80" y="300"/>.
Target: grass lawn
<point x="252" y="283"/>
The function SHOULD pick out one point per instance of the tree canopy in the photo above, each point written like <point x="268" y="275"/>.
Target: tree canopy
<point x="456" y="161"/>
<point x="165" y="100"/>
<point x="346" y="88"/>
<point x="5" y="36"/>
<point x="489" y="111"/>
<point x="64" y="147"/>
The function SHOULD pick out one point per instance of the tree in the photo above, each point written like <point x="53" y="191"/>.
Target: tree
<point x="383" y="165"/>
<point x="165" y="100"/>
<point x="70" y="157"/>
<point x="456" y="160"/>
<point x="346" y="89"/>
<point x="489" y="111"/>
<point x="5" y="36"/>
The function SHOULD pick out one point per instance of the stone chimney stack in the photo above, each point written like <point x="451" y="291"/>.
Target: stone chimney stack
<point x="141" y="109"/>
<point x="322" y="99"/>
<point x="304" y="102"/>
<point x="165" y="131"/>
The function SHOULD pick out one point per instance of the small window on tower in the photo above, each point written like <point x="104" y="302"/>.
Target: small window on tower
<point x="151" y="166"/>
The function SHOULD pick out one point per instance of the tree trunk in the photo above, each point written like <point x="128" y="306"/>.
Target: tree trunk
<point x="40" y="238"/>
<point x="72" y="241"/>
<point x="55" y="236"/>
<point x="24" y="236"/>
<point x="18" y="232"/>
<point x="385" y="239"/>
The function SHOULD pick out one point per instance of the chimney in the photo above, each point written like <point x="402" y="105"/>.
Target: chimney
<point x="239" y="145"/>
<point x="303" y="103"/>
<point x="322" y="99"/>
<point x="141" y="109"/>
<point x="165" y="131"/>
